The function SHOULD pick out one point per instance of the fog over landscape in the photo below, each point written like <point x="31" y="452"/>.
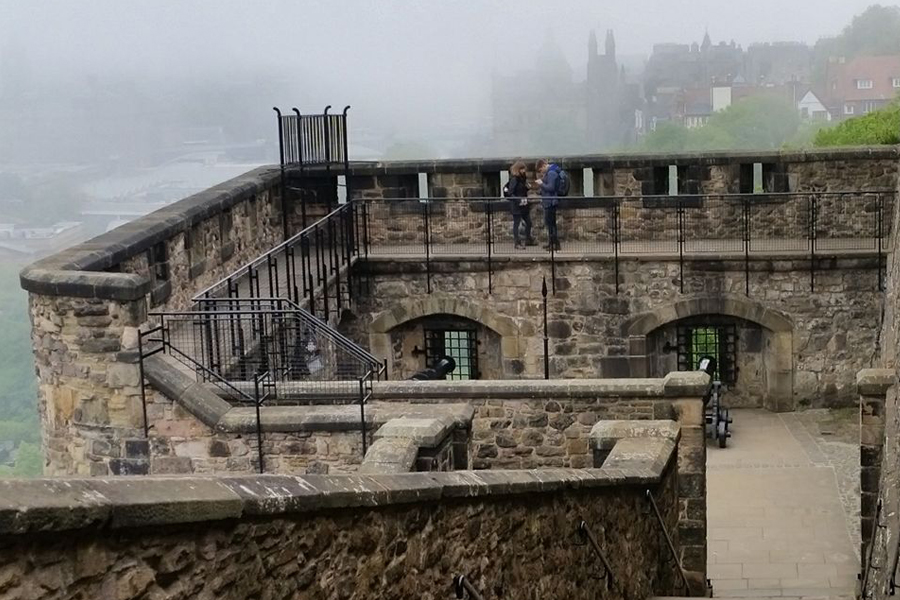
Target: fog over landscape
<point x="112" y="109"/>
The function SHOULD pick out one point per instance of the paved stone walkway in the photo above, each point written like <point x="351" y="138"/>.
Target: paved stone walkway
<point x="777" y="524"/>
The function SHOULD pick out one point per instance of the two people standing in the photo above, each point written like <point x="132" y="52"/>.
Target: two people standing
<point x="516" y="191"/>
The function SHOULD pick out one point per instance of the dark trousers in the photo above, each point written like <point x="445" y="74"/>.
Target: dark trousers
<point x="550" y="224"/>
<point x="522" y="217"/>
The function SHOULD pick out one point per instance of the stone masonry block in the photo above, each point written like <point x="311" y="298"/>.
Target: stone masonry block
<point x="874" y="382"/>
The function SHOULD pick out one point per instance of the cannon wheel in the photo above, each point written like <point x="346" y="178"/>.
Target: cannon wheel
<point x="722" y="433"/>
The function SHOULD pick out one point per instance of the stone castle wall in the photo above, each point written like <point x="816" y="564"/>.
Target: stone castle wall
<point x="643" y="215"/>
<point x="592" y="329"/>
<point x="511" y="534"/>
<point x="880" y="447"/>
<point x="88" y="302"/>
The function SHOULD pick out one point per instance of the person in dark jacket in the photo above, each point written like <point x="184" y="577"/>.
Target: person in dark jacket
<point x="516" y="192"/>
<point x="548" y="181"/>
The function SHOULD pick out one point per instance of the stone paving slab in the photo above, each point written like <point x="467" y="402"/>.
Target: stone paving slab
<point x="777" y="525"/>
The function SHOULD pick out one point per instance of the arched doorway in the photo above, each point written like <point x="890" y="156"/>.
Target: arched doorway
<point x="753" y="343"/>
<point x="486" y="344"/>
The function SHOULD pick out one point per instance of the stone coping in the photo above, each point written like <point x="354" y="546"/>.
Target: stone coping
<point x="607" y="434"/>
<point x="624" y="160"/>
<point x="77" y="271"/>
<point x="678" y="384"/>
<point x="874" y="382"/>
<point x="850" y="257"/>
<point x="214" y="412"/>
<point x="48" y="505"/>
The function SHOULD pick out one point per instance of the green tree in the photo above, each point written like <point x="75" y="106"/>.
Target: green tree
<point x="29" y="462"/>
<point x="756" y="123"/>
<point x="876" y="128"/>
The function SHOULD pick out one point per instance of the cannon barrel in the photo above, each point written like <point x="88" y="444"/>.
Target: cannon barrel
<point x="440" y="370"/>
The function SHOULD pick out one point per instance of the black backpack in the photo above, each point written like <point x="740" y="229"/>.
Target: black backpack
<point x="563" y="184"/>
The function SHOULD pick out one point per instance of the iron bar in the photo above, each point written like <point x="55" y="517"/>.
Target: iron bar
<point x="680" y="220"/>
<point x="669" y="543"/>
<point x="327" y="142"/>
<point x="461" y="587"/>
<point x="259" y="442"/>
<point x="490" y="235"/>
<point x="426" y="208"/>
<point x="588" y="536"/>
<point x="616" y="242"/>
<point x="363" y="397"/>
<point x="812" y="242"/>
<point x="879" y="235"/>
<point x="345" y="140"/>
<point x="746" y="228"/>
<point x="280" y="136"/>
<point x="546" y="339"/>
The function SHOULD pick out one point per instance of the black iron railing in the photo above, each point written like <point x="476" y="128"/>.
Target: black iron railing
<point x="257" y="351"/>
<point x="463" y="588"/>
<point x="311" y="269"/>
<point x="806" y="226"/>
<point x="312" y="139"/>
<point x="587" y="537"/>
<point x="673" y="553"/>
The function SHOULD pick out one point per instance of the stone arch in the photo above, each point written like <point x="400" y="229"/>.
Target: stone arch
<point x="780" y="328"/>
<point x="730" y="306"/>
<point x="511" y="343"/>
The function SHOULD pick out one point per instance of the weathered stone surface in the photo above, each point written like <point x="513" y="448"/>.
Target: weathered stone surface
<point x="605" y="434"/>
<point x="390" y="455"/>
<point x="874" y="382"/>
<point x="444" y="522"/>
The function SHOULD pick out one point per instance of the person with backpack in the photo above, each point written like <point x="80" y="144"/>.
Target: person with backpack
<point x="516" y="191"/>
<point x="554" y="182"/>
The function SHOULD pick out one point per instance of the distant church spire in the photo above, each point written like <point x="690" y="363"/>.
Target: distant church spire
<point x="592" y="44"/>
<point x="707" y="42"/>
<point x="610" y="43"/>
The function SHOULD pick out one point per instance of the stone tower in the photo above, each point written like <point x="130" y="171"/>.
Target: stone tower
<point x="605" y="128"/>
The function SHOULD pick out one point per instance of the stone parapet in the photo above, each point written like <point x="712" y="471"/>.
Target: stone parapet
<point x="873" y="386"/>
<point x="391" y="537"/>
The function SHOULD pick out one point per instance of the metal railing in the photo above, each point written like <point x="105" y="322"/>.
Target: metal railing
<point x="672" y="551"/>
<point x="587" y="537"/>
<point x="256" y="351"/>
<point x="735" y="226"/>
<point x="311" y="268"/>
<point x="462" y="586"/>
<point x="307" y="140"/>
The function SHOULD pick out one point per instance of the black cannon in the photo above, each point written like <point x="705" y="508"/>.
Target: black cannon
<point x="440" y="370"/>
<point x="718" y="418"/>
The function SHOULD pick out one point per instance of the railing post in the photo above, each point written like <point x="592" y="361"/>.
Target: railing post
<point x="490" y="235"/>
<point x="326" y="127"/>
<point x="143" y="391"/>
<point x="813" y="217"/>
<point x="362" y="415"/>
<point x="746" y="232"/>
<point x="426" y="209"/>
<point x="299" y="141"/>
<point x="259" y="442"/>
<point x="680" y="220"/>
<point x="346" y="143"/>
<point x="616" y="241"/>
<point x="879" y="233"/>
<point x="546" y="339"/>
<point x="280" y="136"/>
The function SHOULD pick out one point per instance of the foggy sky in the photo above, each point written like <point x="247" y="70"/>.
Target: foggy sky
<point x="428" y="60"/>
